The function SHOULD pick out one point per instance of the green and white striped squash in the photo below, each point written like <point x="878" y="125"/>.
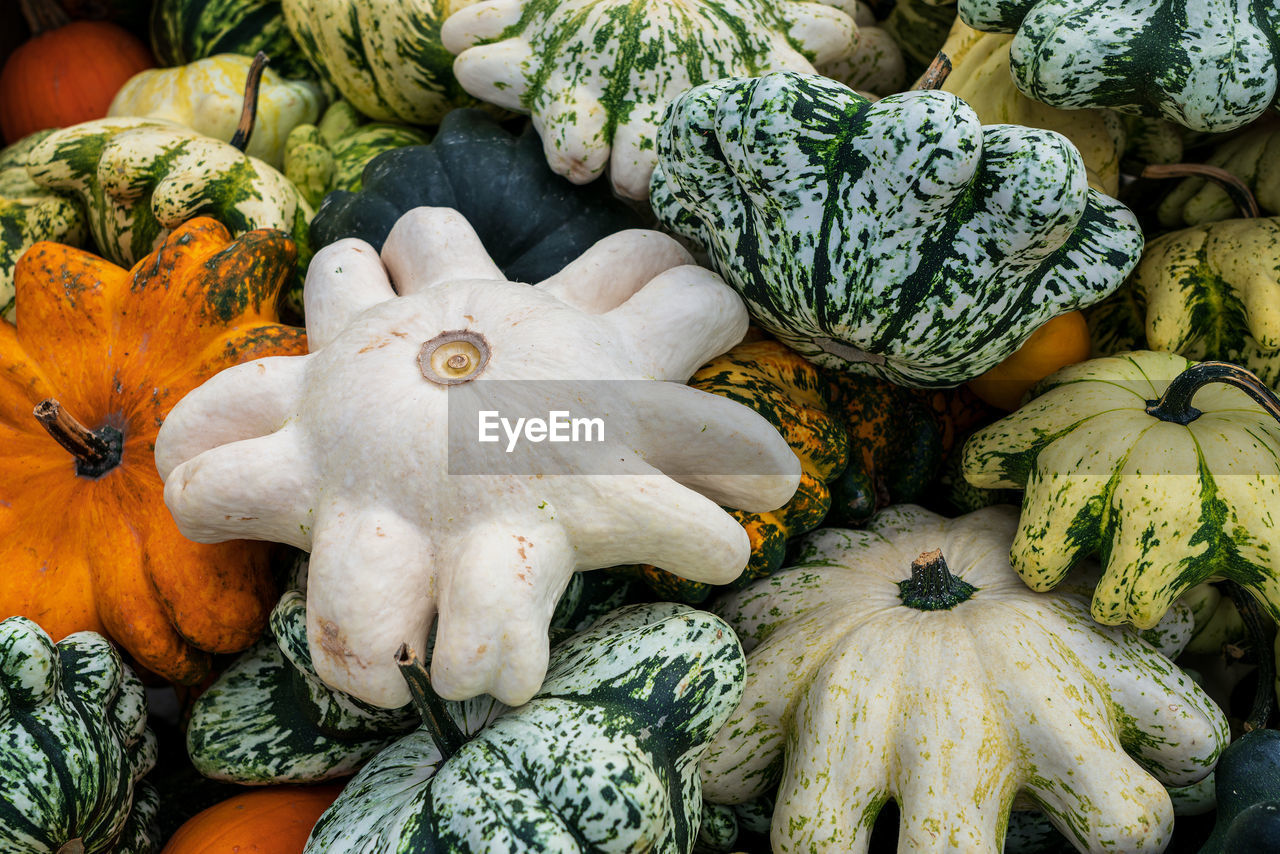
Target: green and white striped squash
<point x="1210" y="65"/>
<point x="603" y="759"/>
<point x="141" y="178"/>
<point x="873" y="672"/>
<point x="597" y="75"/>
<point x="183" y="31"/>
<point x="384" y="56"/>
<point x="1253" y="157"/>
<point x="1166" y="494"/>
<point x="74" y="746"/>
<point x="28" y="214"/>
<point x="899" y="238"/>
<point x="331" y="154"/>
<point x="919" y="27"/>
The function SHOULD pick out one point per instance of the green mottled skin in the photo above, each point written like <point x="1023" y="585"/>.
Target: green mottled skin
<point x="1209" y="65"/>
<point x="870" y="237"/>
<point x="183" y="31"/>
<point x="1163" y="506"/>
<point x="603" y="759"/>
<point x="1253" y="157"/>
<point x="73" y="746"/>
<point x="1010" y="698"/>
<point x="920" y="28"/>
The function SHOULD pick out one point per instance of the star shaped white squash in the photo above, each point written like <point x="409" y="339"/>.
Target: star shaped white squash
<point x="344" y="452"/>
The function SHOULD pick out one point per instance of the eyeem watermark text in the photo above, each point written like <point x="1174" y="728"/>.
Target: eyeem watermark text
<point x="558" y="426"/>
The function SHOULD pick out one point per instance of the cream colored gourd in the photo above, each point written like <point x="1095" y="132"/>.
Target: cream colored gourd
<point x="996" y="696"/>
<point x="208" y="95"/>
<point x="349" y="452"/>
<point x="875" y="64"/>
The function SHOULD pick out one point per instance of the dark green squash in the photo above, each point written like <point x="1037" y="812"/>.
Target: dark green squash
<point x="532" y="222"/>
<point x="1248" y="788"/>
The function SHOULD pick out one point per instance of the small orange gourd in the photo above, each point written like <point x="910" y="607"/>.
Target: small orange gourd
<point x="97" y="357"/>
<point x="1061" y="341"/>
<point x="277" y="820"/>
<point x="67" y="72"/>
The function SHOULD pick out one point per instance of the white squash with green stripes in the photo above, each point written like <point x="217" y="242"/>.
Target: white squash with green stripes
<point x="1209" y="65"/>
<point x="909" y="661"/>
<point x="597" y="75"/>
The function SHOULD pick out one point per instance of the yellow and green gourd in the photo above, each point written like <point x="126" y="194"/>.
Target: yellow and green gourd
<point x="1253" y="157"/>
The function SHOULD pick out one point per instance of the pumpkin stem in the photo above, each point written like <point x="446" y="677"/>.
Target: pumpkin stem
<point x="1235" y="188"/>
<point x="72" y="846"/>
<point x="1256" y="627"/>
<point x="444" y="732"/>
<point x="931" y="586"/>
<point x="249" y="112"/>
<point x="1175" y="406"/>
<point x="96" y="451"/>
<point x="936" y="74"/>
<point x="44" y="15"/>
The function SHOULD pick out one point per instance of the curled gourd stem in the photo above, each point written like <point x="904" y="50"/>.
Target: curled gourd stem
<point x="96" y="451"/>
<point x="44" y="15"/>
<point x="1175" y="406"/>
<point x="435" y="717"/>
<point x="931" y="586"/>
<point x="936" y="74"/>
<point x="1255" y="625"/>
<point x="1235" y="188"/>
<point x="249" y="112"/>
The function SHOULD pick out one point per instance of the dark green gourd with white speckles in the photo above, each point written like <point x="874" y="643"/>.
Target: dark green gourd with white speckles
<point x="901" y="237"/>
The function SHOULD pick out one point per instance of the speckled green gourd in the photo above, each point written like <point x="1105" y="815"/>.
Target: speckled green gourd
<point x="1009" y="698"/>
<point x="603" y="759"/>
<point x="183" y="31"/>
<point x="140" y="178"/>
<point x="30" y="213"/>
<point x="596" y="75"/>
<point x="899" y="238"/>
<point x="1163" y="505"/>
<point x="74" y="746"/>
<point x="1209" y="65"/>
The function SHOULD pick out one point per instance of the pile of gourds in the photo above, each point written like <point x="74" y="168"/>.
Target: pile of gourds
<point x="936" y="498"/>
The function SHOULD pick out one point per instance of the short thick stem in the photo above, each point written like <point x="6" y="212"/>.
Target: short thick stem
<point x="1175" y="406"/>
<point x="1255" y="626"/>
<point x="936" y="74"/>
<point x="96" y="451"/>
<point x="1238" y="190"/>
<point x="249" y="112"/>
<point x="72" y="846"/>
<point x="448" y="738"/>
<point x="931" y="586"/>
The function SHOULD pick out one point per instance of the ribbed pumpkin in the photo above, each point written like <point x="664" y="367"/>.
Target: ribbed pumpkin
<point x="67" y="73"/>
<point x="271" y="821"/>
<point x="85" y="540"/>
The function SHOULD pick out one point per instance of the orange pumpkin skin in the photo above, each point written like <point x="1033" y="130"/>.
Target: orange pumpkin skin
<point x="277" y="820"/>
<point x="1061" y="341"/>
<point x="67" y="75"/>
<point x="121" y="347"/>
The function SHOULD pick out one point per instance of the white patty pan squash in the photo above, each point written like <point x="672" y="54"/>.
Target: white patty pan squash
<point x="909" y="661"/>
<point x="901" y="237"/>
<point x="1210" y="65"/>
<point x="1117" y="462"/>
<point x="603" y="760"/>
<point x="596" y="75"/>
<point x="74" y="746"/>
<point x="208" y="95"/>
<point x="346" y="452"/>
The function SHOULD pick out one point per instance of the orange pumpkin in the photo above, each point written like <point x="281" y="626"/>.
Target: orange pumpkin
<point x="67" y="73"/>
<point x="1062" y="341"/>
<point x="270" y="821"/>
<point x="85" y="539"/>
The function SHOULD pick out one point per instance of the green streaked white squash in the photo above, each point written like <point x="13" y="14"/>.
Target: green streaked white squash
<point x="603" y="759"/>
<point x="74" y="746"/>
<point x="347" y="452"/>
<point x="597" y="75"/>
<point x="874" y="672"/>
<point x="183" y="31"/>
<point x="384" y="56"/>
<point x="1209" y="65"/>
<point x="875" y="64"/>
<point x="1253" y="157"/>
<point x="208" y="95"/>
<point x="901" y="237"/>
<point x="1165" y="505"/>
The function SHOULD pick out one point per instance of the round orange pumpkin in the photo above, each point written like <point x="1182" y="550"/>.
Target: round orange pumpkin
<point x="68" y="71"/>
<point x="1062" y="341"/>
<point x="277" y="820"/>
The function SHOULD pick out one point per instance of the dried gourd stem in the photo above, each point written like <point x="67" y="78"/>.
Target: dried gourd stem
<point x="1175" y="406"/>
<point x="1256" y="628"/>
<point x="43" y="15"/>
<point x="932" y="587"/>
<point x="96" y="451"/>
<point x="72" y="846"/>
<point x="435" y="717"/>
<point x="936" y="74"/>
<point x="1235" y="188"/>
<point x="249" y="112"/>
